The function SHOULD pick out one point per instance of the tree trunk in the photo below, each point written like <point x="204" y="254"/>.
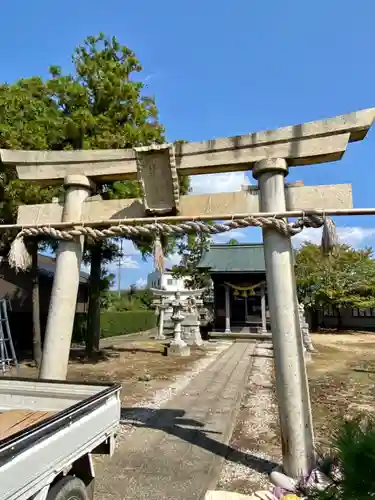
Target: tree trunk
<point x="93" y="315"/>
<point x="37" y="337"/>
<point x="339" y="320"/>
<point x="314" y="315"/>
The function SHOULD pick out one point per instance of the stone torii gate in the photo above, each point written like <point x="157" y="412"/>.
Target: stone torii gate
<point x="269" y="155"/>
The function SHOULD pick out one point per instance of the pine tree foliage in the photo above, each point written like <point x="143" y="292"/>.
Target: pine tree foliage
<point x="353" y="456"/>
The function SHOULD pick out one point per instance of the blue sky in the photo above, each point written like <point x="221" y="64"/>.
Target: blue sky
<point x="224" y="68"/>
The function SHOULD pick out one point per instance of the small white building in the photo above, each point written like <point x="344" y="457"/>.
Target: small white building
<point x="166" y="281"/>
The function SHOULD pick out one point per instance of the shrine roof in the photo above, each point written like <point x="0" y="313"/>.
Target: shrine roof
<point x="234" y="258"/>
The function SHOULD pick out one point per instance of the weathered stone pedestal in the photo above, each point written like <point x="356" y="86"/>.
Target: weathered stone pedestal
<point x="305" y="331"/>
<point x="191" y="325"/>
<point x="190" y="330"/>
<point x="178" y="345"/>
<point x="179" y="350"/>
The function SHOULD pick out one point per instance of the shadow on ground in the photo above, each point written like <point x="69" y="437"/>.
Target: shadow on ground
<point x="192" y="431"/>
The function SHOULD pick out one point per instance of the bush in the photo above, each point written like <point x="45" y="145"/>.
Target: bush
<point x="115" y="323"/>
<point x="124" y="323"/>
<point x="350" y="465"/>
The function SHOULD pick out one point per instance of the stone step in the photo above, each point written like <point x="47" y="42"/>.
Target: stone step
<point x="239" y="335"/>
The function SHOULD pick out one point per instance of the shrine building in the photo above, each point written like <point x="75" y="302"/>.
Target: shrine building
<point x="240" y="294"/>
<point x="240" y="289"/>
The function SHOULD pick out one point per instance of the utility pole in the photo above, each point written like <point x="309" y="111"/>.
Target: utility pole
<point x="119" y="270"/>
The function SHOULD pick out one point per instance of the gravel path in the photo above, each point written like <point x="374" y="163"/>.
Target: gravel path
<point x="256" y="434"/>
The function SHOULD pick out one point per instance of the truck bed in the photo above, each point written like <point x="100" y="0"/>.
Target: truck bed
<point x="13" y="421"/>
<point x="46" y="425"/>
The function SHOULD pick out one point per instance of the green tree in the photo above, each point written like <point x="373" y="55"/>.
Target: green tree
<point x="104" y="107"/>
<point x="29" y="119"/>
<point x="232" y="242"/>
<point x="191" y="249"/>
<point x="344" y="279"/>
<point x="100" y="106"/>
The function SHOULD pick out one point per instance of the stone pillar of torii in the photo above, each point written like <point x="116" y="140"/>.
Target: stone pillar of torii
<point x="269" y="155"/>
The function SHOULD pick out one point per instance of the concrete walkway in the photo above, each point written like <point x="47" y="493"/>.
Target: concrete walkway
<point x="178" y="453"/>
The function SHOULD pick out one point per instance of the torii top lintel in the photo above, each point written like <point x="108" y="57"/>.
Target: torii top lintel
<point x="305" y="144"/>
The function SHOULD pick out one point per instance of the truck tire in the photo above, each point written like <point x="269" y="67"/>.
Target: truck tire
<point x="68" y="488"/>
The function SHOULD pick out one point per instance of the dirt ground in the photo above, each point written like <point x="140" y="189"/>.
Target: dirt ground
<point x="342" y="379"/>
<point x="342" y="383"/>
<point x="140" y="366"/>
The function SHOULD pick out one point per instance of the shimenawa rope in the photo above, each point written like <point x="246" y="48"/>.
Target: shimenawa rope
<point x="20" y="259"/>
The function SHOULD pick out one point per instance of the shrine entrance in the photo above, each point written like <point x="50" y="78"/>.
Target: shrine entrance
<point x="161" y="211"/>
<point x="240" y="290"/>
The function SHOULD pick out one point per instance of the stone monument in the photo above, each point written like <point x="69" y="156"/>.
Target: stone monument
<point x="178" y="345"/>
<point x="185" y="315"/>
<point x="191" y="324"/>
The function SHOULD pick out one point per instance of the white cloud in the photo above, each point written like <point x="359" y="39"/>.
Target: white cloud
<point x="173" y="259"/>
<point x="85" y="268"/>
<point x="354" y="236"/>
<point x="128" y="262"/>
<point x="218" y="183"/>
<point x="237" y="234"/>
<point x="141" y="283"/>
<point x="128" y="247"/>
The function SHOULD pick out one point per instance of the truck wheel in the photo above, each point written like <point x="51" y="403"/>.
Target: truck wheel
<point x="68" y="488"/>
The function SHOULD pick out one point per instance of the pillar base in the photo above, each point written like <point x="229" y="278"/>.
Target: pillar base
<point x="191" y="335"/>
<point x="178" y="343"/>
<point x="307" y="356"/>
<point x="179" y="350"/>
<point x="195" y="341"/>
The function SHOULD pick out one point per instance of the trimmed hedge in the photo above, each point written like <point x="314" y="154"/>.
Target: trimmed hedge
<point x="127" y="322"/>
<point x="116" y="323"/>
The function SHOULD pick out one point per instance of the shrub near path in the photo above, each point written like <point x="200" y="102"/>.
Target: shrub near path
<point x="115" y="323"/>
<point x="123" y="323"/>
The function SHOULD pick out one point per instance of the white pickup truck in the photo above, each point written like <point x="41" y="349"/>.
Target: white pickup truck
<point x="48" y="433"/>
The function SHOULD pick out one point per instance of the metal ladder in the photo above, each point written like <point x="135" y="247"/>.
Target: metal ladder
<point x="8" y="356"/>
